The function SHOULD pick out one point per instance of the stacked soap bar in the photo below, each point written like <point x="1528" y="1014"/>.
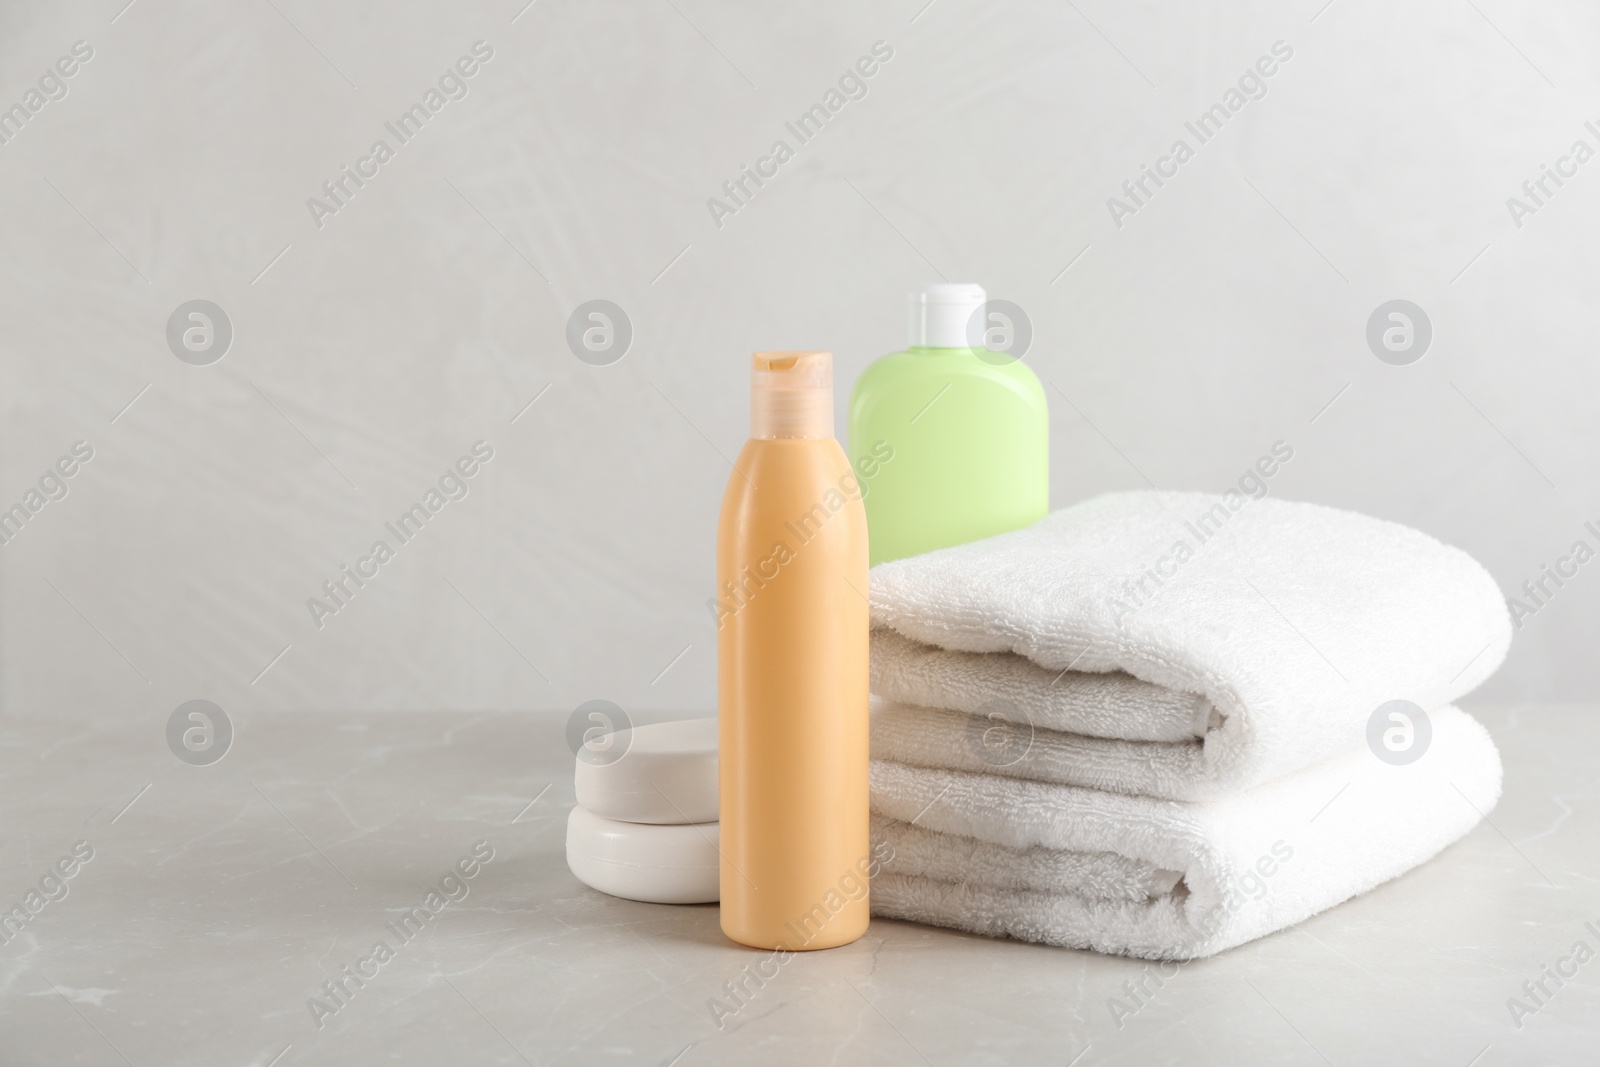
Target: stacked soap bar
<point x="645" y="827"/>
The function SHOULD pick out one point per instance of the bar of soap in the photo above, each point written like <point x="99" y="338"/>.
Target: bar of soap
<point x="667" y="773"/>
<point x="639" y="861"/>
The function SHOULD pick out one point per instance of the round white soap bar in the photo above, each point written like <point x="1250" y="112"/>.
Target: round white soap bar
<point x="667" y="773"/>
<point x="656" y="864"/>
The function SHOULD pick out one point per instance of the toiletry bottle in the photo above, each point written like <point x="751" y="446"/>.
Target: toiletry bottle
<point x="970" y="430"/>
<point x="791" y="614"/>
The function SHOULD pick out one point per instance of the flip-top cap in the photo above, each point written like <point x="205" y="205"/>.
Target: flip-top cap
<point x="791" y="394"/>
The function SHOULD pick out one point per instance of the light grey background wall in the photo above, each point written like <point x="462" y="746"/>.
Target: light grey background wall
<point x="370" y="352"/>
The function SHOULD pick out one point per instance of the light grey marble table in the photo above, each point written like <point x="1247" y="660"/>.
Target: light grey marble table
<point x="219" y="899"/>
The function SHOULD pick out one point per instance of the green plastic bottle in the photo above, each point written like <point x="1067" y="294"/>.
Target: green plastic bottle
<point x="952" y="442"/>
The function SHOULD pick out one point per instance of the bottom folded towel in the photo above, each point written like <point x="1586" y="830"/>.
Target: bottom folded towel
<point x="1163" y="879"/>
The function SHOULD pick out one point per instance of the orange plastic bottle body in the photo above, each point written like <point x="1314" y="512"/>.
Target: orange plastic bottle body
<point x="792" y="697"/>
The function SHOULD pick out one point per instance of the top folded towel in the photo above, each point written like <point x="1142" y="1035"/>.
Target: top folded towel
<point x="1185" y="645"/>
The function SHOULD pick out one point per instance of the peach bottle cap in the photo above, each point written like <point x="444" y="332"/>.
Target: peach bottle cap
<point x="791" y="394"/>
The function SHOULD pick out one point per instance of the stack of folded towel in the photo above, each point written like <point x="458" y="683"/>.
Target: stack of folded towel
<point x="1150" y="724"/>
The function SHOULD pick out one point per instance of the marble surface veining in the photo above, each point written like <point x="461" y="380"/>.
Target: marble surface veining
<point x="218" y="901"/>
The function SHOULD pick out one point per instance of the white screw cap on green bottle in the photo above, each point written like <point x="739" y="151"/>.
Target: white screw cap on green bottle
<point x="940" y="313"/>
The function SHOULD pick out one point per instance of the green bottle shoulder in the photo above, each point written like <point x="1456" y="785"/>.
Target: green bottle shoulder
<point x="919" y="367"/>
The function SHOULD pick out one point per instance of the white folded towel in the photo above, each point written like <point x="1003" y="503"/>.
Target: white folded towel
<point x="1182" y="645"/>
<point x="1162" y="879"/>
<point x="955" y="858"/>
<point x="1114" y="705"/>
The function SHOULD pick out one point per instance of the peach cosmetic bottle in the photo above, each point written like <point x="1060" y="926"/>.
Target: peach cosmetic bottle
<point x="791" y="610"/>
